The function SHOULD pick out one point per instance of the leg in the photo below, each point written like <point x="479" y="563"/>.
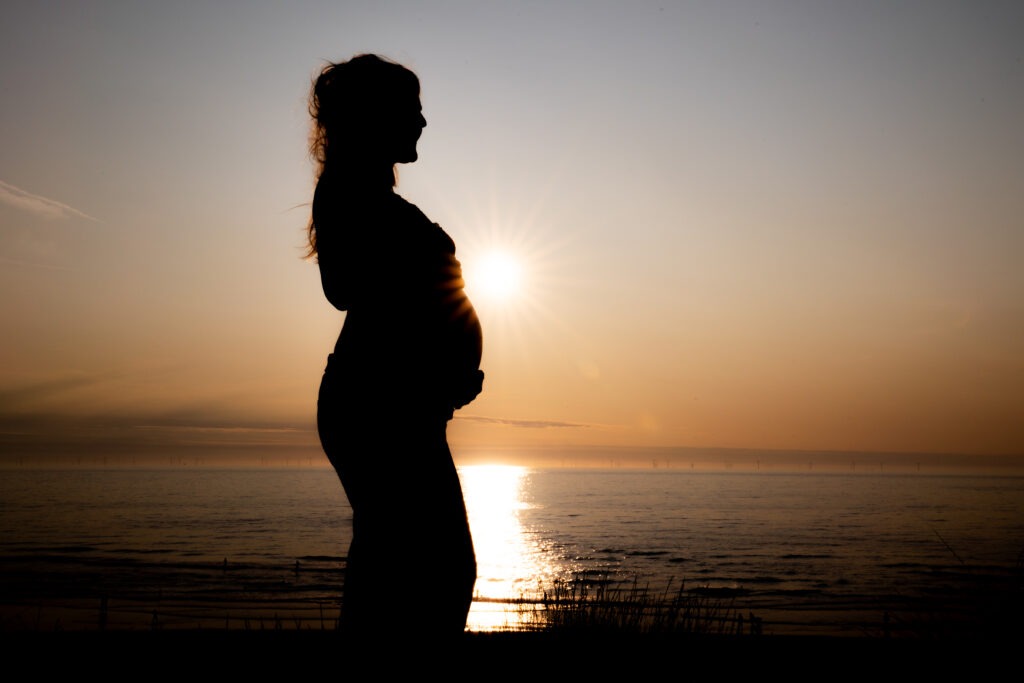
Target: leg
<point x="412" y="554"/>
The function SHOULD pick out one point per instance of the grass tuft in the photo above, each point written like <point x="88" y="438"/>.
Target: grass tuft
<point x="585" y="605"/>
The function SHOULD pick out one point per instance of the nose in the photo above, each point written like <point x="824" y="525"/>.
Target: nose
<point x="423" y="121"/>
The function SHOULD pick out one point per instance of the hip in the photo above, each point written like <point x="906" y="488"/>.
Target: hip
<point x="366" y="391"/>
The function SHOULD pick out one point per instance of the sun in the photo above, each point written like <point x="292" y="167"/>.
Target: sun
<point x="511" y="266"/>
<point x="498" y="276"/>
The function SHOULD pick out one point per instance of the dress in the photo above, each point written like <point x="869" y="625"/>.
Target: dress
<point x="407" y="356"/>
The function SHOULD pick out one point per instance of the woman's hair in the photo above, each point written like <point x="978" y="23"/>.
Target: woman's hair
<point x="349" y="102"/>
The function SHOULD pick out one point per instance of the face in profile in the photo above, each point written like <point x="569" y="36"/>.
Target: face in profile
<point x="403" y="129"/>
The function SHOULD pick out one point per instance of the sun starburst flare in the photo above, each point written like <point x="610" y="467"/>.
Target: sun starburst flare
<point x="499" y="276"/>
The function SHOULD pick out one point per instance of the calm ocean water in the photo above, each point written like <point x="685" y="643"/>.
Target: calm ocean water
<point x="241" y="548"/>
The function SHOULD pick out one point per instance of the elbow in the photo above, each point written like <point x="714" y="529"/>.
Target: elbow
<point x="334" y="289"/>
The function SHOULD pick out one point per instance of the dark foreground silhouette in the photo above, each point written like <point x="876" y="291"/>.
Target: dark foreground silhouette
<point x="408" y="355"/>
<point x="288" y="654"/>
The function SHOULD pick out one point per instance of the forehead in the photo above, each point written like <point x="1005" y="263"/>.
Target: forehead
<point x="405" y="99"/>
<point x="397" y="91"/>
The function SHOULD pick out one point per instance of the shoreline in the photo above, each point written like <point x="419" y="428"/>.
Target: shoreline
<point x="936" y="619"/>
<point x="115" y="617"/>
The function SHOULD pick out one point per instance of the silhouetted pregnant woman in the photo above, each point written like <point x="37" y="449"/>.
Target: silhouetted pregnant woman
<point x="408" y="355"/>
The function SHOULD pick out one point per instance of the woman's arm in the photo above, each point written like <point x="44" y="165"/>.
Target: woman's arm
<point x="333" y="281"/>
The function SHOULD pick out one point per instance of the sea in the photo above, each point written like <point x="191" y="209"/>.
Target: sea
<point x="829" y="553"/>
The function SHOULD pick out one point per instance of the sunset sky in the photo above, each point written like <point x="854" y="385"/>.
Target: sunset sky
<point x="792" y="225"/>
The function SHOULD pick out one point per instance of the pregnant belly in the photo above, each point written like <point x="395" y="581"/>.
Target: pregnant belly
<point x="434" y="343"/>
<point x="469" y="340"/>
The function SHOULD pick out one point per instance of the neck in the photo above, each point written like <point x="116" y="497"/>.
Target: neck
<point x="361" y="176"/>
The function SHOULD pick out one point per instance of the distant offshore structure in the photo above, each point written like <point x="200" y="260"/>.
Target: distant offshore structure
<point x="655" y="459"/>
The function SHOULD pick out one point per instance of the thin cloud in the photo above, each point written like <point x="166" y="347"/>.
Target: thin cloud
<point x="15" y="398"/>
<point x="116" y="434"/>
<point x="529" y="424"/>
<point x="40" y="206"/>
<point x="208" y="429"/>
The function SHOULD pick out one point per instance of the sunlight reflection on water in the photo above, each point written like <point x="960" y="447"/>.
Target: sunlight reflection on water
<point x="507" y="566"/>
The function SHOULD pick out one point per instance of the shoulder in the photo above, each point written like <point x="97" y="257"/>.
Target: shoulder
<point x="421" y="226"/>
<point x="407" y="210"/>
